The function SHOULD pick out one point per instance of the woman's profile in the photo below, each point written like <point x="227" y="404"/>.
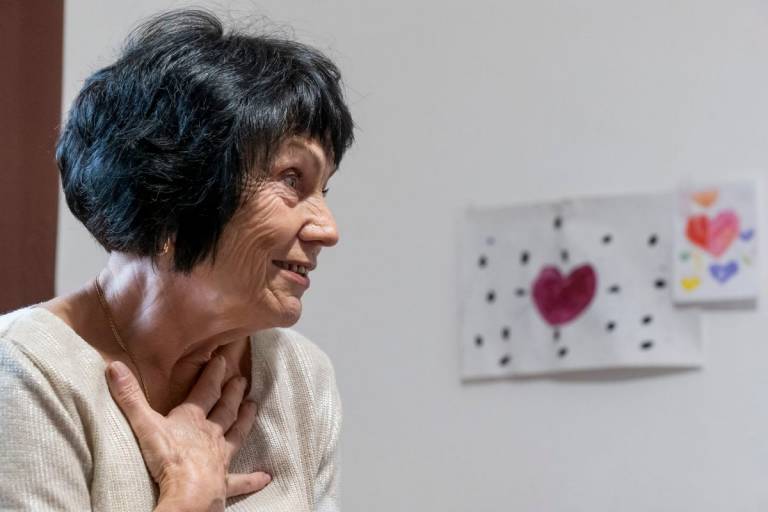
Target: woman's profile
<point x="200" y="160"/>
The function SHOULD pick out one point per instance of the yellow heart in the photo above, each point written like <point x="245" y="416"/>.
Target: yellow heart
<point x="690" y="283"/>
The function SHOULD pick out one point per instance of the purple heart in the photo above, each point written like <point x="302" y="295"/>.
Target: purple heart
<point x="723" y="273"/>
<point x="747" y="234"/>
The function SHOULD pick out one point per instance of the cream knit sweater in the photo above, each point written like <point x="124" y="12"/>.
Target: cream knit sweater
<point x="65" y="445"/>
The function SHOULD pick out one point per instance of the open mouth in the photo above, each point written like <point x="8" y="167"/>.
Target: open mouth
<point x="298" y="269"/>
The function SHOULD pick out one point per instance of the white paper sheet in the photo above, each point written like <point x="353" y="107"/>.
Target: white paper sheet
<point x="716" y="245"/>
<point x="572" y="285"/>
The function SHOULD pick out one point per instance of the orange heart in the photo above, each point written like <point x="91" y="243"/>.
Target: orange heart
<point x="705" y="198"/>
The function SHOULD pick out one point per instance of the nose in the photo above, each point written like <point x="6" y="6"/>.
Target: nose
<point x="321" y="226"/>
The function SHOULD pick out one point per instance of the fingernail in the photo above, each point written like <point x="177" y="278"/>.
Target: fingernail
<point x="117" y="370"/>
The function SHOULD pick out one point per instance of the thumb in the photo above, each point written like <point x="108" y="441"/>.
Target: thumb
<point x="127" y="393"/>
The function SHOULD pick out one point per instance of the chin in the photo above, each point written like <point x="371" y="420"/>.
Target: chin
<point x="289" y="315"/>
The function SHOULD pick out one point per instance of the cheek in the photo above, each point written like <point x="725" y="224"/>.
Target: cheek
<point x="254" y="235"/>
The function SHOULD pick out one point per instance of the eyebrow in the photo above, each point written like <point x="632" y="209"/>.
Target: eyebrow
<point x="299" y="145"/>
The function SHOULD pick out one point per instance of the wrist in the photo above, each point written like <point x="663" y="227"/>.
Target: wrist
<point x="186" y="504"/>
<point x="187" y="492"/>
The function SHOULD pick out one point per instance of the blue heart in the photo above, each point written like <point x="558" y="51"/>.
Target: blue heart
<point x="747" y="234"/>
<point x="722" y="273"/>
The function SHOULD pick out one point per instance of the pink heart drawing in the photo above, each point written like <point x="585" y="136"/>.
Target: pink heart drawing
<point x="562" y="299"/>
<point x="716" y="235"/>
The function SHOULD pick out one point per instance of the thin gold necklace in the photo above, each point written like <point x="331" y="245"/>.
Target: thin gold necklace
<point x="118" y="338"/>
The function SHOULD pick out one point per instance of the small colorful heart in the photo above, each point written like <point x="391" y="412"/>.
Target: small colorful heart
<point x="747" y="235"/>
<point x="705" y="198"/>
<point x="690" y="283"/>
<point x="562" y="299"/>
<point x="716" y="235"/>
<point x="722" y="273"/>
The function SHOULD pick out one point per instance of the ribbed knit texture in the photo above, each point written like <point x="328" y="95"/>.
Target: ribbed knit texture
<point x="65" y="445"/>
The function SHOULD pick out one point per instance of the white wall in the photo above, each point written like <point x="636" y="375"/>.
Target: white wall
<point x="492" y="103"/>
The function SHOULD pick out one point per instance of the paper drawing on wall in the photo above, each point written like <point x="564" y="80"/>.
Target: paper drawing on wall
<point x="572" y="286"/>
<point x="716" y="244"/>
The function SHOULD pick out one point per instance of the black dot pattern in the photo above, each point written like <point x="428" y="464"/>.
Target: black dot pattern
<point x="560" y="340"/>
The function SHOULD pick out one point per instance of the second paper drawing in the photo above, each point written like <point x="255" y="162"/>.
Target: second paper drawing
<point x="716" y="244"/>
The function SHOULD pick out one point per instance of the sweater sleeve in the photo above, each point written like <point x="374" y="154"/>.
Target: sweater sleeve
<point x="45" y="460"/>
<point x="328" y="473"/>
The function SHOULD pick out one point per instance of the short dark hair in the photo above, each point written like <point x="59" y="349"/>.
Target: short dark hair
<point x="163" y="143"/>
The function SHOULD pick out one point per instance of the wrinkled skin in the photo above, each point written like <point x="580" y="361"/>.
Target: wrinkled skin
<point x="174" y="325"/>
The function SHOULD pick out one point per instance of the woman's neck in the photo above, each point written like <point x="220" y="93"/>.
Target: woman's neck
<point x="170" y="324"/>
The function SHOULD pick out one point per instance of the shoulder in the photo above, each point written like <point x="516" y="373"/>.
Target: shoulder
<point x="22" y="343"/>
<point x="43" y="356"/>
<point x="8" y="320"/>
<point x="288" y="365"/>
<point x="15" y="365"/>
<point x="294" y="380"/>
<point x="48" y="343"/>
<point x="39" y="390"/>
<point x="48" y="458"/>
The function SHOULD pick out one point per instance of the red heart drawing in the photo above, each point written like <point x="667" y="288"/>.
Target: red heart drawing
<point x="697" y="230"/>
<point x="561" y="299"/>
<point x="716" y="235"/>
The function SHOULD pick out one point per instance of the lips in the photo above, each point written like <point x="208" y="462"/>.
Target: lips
<point x="298" y="268"/>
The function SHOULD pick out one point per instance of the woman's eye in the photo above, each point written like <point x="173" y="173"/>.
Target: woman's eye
<point x="292" y="179"/>
<point x="325" y="191"/>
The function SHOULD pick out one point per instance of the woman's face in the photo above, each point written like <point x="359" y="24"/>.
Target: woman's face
<point x="271" y="244"/>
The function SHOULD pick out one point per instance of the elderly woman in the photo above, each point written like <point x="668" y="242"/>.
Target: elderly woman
<point x="200" y="160"/>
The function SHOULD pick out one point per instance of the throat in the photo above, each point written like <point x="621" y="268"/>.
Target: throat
<point x="169" y="389"/>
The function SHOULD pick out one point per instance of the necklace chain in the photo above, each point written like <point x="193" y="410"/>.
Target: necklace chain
<point x="118" y="338"/>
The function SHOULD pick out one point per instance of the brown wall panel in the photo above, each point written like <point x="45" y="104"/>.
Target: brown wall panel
<point x="31" y="33"/>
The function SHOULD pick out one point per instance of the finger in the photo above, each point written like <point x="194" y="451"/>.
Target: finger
<point x="207" y="390"/>
<point x="239" y="430"/>
<point x="228" y="407"/>
<point x="129" y="396"/>
<point x="238" y="484"/>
